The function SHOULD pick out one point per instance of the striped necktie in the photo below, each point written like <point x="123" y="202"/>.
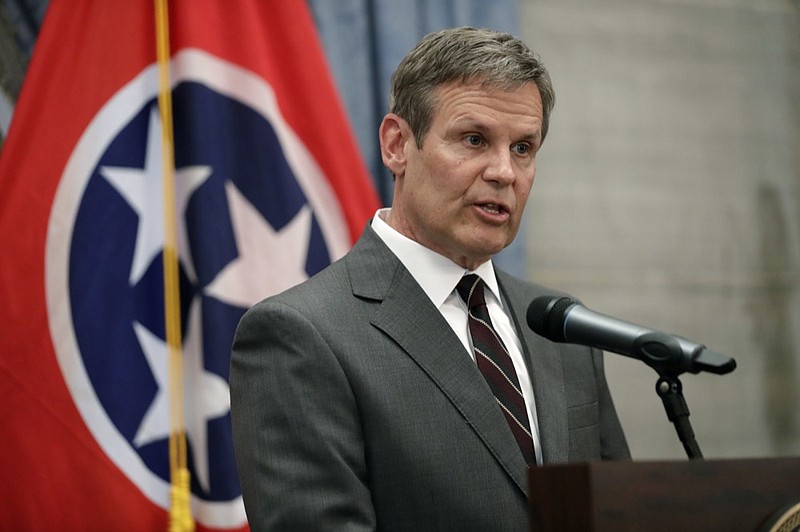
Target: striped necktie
<point x="495" y="364"/>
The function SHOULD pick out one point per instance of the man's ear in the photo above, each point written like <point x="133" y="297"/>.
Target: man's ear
<point x="395" y="135"/>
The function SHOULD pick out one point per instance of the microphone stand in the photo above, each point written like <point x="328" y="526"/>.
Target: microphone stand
<point x="670" y="389"/>
<point x="664" y="354"/>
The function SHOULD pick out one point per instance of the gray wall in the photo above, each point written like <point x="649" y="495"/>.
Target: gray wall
<point x="667" y="194"/>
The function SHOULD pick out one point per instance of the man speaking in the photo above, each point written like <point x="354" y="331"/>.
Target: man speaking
<point x="400" y="389"/>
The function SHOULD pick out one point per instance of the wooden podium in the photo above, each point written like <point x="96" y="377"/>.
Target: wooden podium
<point x="702" y="495"/>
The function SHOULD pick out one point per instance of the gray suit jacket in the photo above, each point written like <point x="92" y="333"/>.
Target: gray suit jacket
<point x="355" y="407"/>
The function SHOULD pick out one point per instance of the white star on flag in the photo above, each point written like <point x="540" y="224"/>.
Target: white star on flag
<point x="209" y="392"/>
<point x="269" y="261"/>
<point x="143" y="189"/>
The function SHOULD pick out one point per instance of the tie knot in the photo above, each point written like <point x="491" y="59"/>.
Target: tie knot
<point x="470" y="288"/>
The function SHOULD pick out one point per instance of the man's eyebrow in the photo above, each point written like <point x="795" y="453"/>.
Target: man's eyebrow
<point x="532" y="137"/>
<point x="470" y="123"/>
<point x="479" y="125"/>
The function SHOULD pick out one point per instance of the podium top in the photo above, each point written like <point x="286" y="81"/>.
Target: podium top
<point x="704" y="495"/>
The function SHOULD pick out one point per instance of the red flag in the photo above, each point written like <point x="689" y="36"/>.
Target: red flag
<point x="269" y="190"/>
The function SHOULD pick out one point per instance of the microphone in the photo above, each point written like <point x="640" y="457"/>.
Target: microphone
<point x="560" y="319"/>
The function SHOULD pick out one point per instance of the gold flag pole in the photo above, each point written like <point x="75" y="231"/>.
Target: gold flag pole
<point x="180" y="509"/>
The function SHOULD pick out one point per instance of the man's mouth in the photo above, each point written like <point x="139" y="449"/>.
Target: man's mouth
<point x="491" y="208"/>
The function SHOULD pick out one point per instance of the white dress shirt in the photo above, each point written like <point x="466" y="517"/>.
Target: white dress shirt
<point x="438" y="277"/>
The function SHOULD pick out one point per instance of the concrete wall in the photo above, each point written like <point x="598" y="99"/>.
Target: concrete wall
<point x="667" y="195"/>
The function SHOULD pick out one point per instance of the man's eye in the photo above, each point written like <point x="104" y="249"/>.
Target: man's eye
<point x="474" y="140"/>
<point x="521" y="149"/>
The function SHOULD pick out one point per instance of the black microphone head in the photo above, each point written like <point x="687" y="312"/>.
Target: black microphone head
<point x="546" y="315"/>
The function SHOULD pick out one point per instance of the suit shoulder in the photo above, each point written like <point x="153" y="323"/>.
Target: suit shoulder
<point x="525" y="289"/>
<point x="327" y="283"/>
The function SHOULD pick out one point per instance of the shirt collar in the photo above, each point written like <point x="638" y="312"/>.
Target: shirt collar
<point x="435" y="273"/>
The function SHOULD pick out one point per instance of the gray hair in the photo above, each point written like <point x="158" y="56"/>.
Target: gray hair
<point x="497" y="60"/>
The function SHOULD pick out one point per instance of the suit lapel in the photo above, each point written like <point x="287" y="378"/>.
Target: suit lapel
<point x="546" y="369"/>
<point x="410" y="319"/>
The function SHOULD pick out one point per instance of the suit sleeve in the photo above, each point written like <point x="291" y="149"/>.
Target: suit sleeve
<point x="296" y="431"/>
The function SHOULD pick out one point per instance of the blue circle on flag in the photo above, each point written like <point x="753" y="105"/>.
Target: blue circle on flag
<point x="118" y="311"/>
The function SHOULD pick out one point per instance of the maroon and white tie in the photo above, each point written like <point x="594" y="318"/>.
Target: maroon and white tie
<point x="495" y="364"/>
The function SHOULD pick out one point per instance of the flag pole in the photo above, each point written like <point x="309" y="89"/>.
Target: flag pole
<point x="180" y="509"/>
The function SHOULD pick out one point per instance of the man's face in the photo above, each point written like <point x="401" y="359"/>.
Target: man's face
<point x="463" y="192"/>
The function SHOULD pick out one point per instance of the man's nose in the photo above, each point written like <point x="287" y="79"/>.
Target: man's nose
<point x="500" y="167"/>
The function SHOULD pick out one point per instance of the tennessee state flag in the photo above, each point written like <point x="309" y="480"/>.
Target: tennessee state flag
<point x="269" y="189"/>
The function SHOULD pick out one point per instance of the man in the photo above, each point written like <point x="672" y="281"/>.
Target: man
<point x="363" y="399"/>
